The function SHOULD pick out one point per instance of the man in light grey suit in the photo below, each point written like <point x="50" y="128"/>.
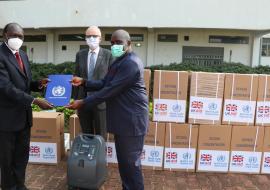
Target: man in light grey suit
<point x="92" y="63"/>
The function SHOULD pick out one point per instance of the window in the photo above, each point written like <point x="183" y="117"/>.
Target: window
<point x="229" y="39"/>
<point x="266" y="47"/>
<point x="35" y="38"/>
<point x="134" y="37"/>
<point x="204" y="56"/>
<point x="64" y="48"/>
<point x="167" y="37"/>
<point x="71" y="37"/>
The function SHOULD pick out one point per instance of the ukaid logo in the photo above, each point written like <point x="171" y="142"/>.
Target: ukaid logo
<point x="206" y="159"/>
<point x="152" y="156"/>
<point x="244" y="161"/>
<point x="111" y="152"/>
<point x="231" y="109"/>
<point x="169" y="110"/>
<point x="263" y="112"/>
<point x="239" y="111"/>
<point x="179" y="158"/>
<point x="219" y="160"/>
<point x="34" y="151"/>
<point x="266" y="163"/>
<point x="143" y="155"/>
<point x="205" y="108"/>
<point x="43" y="152"/>
<point x="171" y="157"/>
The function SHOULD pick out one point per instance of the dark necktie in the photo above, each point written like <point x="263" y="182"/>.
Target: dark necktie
<point x="19" y="60"/>
<point x="91" y="65"/>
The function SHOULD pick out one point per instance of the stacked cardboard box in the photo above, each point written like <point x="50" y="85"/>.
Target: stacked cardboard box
<point x="206" y="96"/>
<point x="246" y="149"/>
<point x="152" y="155"/>
<point x="180" y="146"/>
<point x="110" y="148"/>
<point x="263" y="101"/>
<point x="74" y="127"/>
<point x="240" y="99"/>
<point x="266" y="152"/>
<point x="147" y="77"/>
<point x="170" y="95"/>
<point x="214" y="148"/>
<point x="46" y="144"/>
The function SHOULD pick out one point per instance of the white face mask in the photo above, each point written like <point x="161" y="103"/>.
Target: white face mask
<point x="92" y="42"/>
<point x="14" y="43"/>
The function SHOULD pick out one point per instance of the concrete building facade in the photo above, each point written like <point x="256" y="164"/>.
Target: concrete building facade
<point x="200" y="31"/>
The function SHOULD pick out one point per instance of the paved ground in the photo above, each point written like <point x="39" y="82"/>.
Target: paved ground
<point x="43" y="177"/>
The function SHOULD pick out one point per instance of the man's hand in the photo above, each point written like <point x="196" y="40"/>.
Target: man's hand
<point x="77" y="81"/>
<point x="77" y="104"/>
<point x="43" y="104"/>
<point x="44" y="82"/>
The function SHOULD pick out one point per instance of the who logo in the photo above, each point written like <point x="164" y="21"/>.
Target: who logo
<point x="58" y="91"/>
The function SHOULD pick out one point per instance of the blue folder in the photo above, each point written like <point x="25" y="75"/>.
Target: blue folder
<point x="59" y="90"/>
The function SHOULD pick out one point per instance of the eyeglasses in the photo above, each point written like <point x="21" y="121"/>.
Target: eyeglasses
<point x="91" y="36"/>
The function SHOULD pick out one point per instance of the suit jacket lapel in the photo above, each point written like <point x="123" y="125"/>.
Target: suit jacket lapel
<point x="26" y="66"/>
<point x="15" y="63"/>
<point x="84" y="64"/>
<point x="98" y="61"/>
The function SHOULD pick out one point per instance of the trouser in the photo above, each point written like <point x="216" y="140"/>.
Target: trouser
<point x="14" y="157"/>
<point x="93" y="122"/>
<point x="128" y="150"/>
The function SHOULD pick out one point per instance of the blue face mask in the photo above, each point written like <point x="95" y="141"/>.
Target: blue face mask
<point x="117" y="50"/>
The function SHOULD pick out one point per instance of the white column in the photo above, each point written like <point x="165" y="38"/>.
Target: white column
<point x="256" y="50"/>
<point x="150" y="48"/>
<point x="50" y="50"/>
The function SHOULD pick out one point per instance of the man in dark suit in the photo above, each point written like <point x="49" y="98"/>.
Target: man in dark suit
<point x="15" y="108"/>
<point x="92" y="64"/>
<point x="124" y="92"/>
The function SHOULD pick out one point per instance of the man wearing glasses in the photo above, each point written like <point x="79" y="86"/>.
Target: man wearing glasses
<point x="124" y="92"/>
<point x="92" y="63"/>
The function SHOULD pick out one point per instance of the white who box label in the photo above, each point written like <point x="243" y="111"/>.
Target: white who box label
<point x="43" y="152"/>
<point x="245" y="161"/>
<point x="169" y="110"/>
<point x="205" y="108"/>
<point x="180" y="158"/>
<point x="213" y="160"/>
<point x="263" y="112"/>
<point x="266" y="163"/>
<point x="152" y="156"/>
<point x="111" y="152"/>
<point x="239" y="111"/>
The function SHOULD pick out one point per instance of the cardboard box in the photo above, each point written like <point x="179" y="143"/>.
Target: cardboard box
<point x="152" y="154"/>
<point x="214" y="148"/>
<point x="180" y="147"/>
<point x="263" y="101"/>
<point x="46" y="138"/>
<point x="147" y="80"/>
<point x="170" y="95"/>
<point x="265" y="169"/>
<point x="240" y="97"/>
<point x="246" y="149"/>
<point x="206" y="97"/>
<point x="110" y="149"/>
<point x="74" y="127"/>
